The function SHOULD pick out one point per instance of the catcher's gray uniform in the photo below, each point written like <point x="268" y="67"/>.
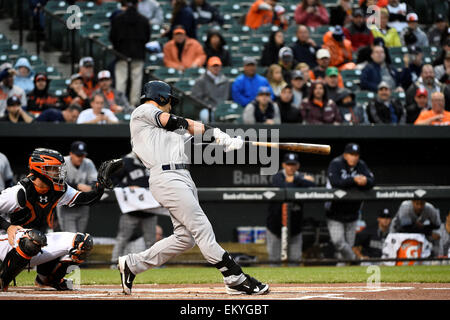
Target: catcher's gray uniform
<point x="162" y="152"/>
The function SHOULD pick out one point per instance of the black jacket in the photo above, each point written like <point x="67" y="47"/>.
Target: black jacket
<point x="304" y="52"/>
<point x="378" y="112"/>
<point x="340" y="176"/>
<point x="288" y="112"/>
<point x="222" y="53"/>
<point x="129" y="33"/>
<point x="206" y="13"/>
<point x="269" y="54"/>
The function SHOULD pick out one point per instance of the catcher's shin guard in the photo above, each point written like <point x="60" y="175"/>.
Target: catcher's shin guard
<point x="51" y="274"/>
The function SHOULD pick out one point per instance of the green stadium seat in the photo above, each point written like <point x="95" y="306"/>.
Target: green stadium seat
<point x="11" y="50"/>
<point x="231" y="72"/>
<point x="193" y="73"/>
<point x="363" y="96"/>
<point x="167" y="74"/>
<point x="350" y="74"/>
<point x="233" y="9"/>
<point x="109" y="6"/>
<point x="57" y="7"/>
<point x="252" y="50"/>
<point x="185" y="85"/>
<point x="400" y="96"/>
<point x="228" y="111"/>
<point x="87" y="7"/>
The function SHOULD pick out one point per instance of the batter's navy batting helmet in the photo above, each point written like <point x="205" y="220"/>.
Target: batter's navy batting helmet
<point x="160" y="92"/>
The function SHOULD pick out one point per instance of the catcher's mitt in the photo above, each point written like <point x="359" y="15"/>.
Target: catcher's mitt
<point x="106" y="170"/>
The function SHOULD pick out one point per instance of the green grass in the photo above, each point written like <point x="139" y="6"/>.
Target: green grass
<point x="182" y="275"/>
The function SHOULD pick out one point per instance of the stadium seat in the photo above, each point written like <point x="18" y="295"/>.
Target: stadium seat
<point x="109" y="6"/>
<point x="185" y="85"/>
<point x="57" y="7"/>
<point x="231" y="72"/>
<point x="400" y="96"/>
<point x="228" y="111"/>
<point x="11" y="50"/>
<point x="252" y="50"/>
<point x="233" y="9"/>
<point x="363" y="96"/>
<point x="167" y="74"/>
<point x="193" y="73"/>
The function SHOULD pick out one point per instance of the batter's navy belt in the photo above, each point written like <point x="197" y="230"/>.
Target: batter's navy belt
<point x="176" y="166"/>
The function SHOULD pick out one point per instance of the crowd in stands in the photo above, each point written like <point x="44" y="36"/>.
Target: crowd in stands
<point x="302" y="72"/>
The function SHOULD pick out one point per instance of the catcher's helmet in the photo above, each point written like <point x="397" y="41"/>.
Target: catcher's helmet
<point x="160" y="92"/>
<point x="49" y="166"/>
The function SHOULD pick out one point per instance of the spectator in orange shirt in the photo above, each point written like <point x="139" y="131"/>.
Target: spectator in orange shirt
<point x="115" y="100"/>
<point x="260" y="13"/>
<point x="340" y="49"/>
<point x="437" y="115"/>
<point x="183" y="52"/>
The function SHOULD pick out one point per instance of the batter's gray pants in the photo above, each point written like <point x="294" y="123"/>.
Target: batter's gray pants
<point x="175" y="190"/>
<point x="273" y="243"/>
<point x="73" y="219"/>
<point x="342" y="236"/>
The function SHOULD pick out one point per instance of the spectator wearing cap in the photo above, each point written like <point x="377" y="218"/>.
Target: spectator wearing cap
<point x="183" y="52"/>
<point x="413" y="63"/>
<point x="340" y="14"/>
<point x="357" y="31"/>
<point x="81" y="175"/>
<point x="115" y="100"/>
<point x="86" y="70"/>
<point x="129" y="32"/>
<point x="369" y="242"/>
<point x="351" y="112"/>
<point x="439" y="32"/>
<point x="346" y="172"/>
<point x="40" y="99"/>
<point x="68" y="115"/>
<point x="340" y="49"/>
<point x="323" y="62"/>
<point x="304" y="48"/>
<point x="288" y="177"/>
<point x="412" y="35"/>
<point x="384" y="108"/>
<point x="75" y="93"/>
<point x="437" y="116"/>
<point x="300" y="87"/>
<point x="25" y="75"/>
<point x="212" y="88"/>
<point x="14" y="112"/>
<point x="271" y="49"/>
<point x="287" y="62"/>
<point x="442" y="71"/>
<point x="97" y="113"/>
<point x="205" y="13"/>
<point x="420" y="103"/>
<point x="8" y="88"/>
<point x="318" y="108"/>
<point x="311" y="13"/>
<point x="182" y="15"/>
<point x="214" y="46"/>
<point x="386" y="32"/>
<point x="289" y="112"/>
<point x="245" y="87"/>
<point x="332" y="82"/>
<point x="260" y="13"/>
<point x="276" y="79"/>
<point x="262" y="109"/>
<point x="397" y="14"/>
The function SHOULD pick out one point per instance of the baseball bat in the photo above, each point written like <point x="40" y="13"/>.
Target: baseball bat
<point x="284" y="232"/>
<point x="322" y="149"/>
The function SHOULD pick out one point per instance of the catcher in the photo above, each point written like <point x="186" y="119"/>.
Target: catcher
<point x="30" y="206"/>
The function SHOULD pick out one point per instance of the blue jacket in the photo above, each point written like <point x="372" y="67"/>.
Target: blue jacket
<point x="26" y="83"/>
<point x="244" y="89"/>
<point x="371" y="77"/>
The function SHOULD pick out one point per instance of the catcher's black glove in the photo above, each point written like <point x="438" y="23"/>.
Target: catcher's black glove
<point x="106" y="170"/>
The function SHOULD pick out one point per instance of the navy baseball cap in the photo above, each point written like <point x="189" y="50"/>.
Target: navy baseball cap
<point x="352" y="148"/>
<point x="291" y="158"/>
<point x="79" y="148"/>
<point x="384" y="213"/>
<point x="13" y="101"/>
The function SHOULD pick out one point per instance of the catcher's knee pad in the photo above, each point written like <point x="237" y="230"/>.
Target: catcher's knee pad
<point x="228" y="266"/>
<point x="82" y="245"/>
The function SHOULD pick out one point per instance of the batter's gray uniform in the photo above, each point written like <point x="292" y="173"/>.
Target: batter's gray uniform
<point x="162" y="152"/>
<point x="6" y="174"/>
<point x="75" y="219"/>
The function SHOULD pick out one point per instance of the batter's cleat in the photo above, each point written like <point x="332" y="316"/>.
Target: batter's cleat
<point x="249" y="286"/>
<point x="126" y="276"/>
<point x="64" y="285"/>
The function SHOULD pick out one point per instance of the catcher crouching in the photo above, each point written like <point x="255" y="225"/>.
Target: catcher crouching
<point x="30" y="206"/>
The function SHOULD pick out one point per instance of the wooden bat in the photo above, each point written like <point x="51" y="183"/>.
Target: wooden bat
<point x="284" y="232"/>
<point x="322" y="149"/>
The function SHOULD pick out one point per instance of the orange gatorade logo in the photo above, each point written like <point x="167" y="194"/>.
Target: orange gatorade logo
<point x="409" y="249"/>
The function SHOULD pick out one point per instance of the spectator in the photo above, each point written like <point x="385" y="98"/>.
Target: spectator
<point x="6" y="174"/>
<point x="115" y="100"/>
<point x="437" y="116"/>
<point x="8" y="89"/>
<point x="304" y="68"/>
<point x="332" y="82"/>
<point x="129" y="33"/>
<point x="87" y="75"/>
<point x="212" y="87"/>
<point x="304" y="48"/>
<point x="413" y="62"/>
<point x="420" y="103"/>
<point x="271" y="49"/>
<point x="369" y="242"/>
<point x="318" y="108"/>
<point x="439" y="32"/>
<point x="39" y="99"/>
<point x="428" y="81"/>
<point x="300" y="87"/>
<point x="364" y="53"/>
<point x="205" y="13"/>
<point x="412" y="35"/>
<point x="81" y="175"/>
<point x="387" y="33"/>
<point x="311" y="13"/>
<point x="183" y="52"/>
<point x="289" y="112"/>
<point x="183" y="15"/>
<point x="351" y="113"/>
<point x="262" y="109"/>
<point x="397" y="14"/>
<point x="340" y="14"/>
<point x="245" y="87"/>
<point x="288" y="177"/>
<point x="275" y="78"/>
<point x="323" y="62"/>
<point x="443" y="52"/>
<point x="287" y="62"/>
<point x="444" y="238"/>
<point x="68" y="115"/>
<point x="215" y="47"/>
<point x="151" y="9"/>
<point x="25" y="75"/>
<point x="260" y="13"/>
<point x="97" y="113"/>
<point x="346" y="172"/>
<point x="378" y="70"/>
<point x="385" y="109"/>
<point x="14" y="112"/>
<point x="442" y="71"/>
<point x="280" y="19"/>
<point x="75" y="93"/>
<point x="340" y="49"/>
<point x="357" y="31"/>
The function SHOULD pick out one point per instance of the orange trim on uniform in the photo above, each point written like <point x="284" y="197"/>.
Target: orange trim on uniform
<point x="76" y="195"/>
<point x="22" y="254"/>
<point x="33" y="213"/>
<point x="50" y="217"/>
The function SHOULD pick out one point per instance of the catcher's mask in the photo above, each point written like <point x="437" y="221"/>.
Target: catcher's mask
<point x="160" y="92"/>
<point x="49" y="166"/>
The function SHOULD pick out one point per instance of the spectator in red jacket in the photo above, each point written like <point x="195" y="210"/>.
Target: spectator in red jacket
<point x="357" y="31"/>
<point x="311" y="13"/>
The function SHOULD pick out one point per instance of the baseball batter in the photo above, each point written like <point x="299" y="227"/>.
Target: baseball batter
<point x="161" y="149"/>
